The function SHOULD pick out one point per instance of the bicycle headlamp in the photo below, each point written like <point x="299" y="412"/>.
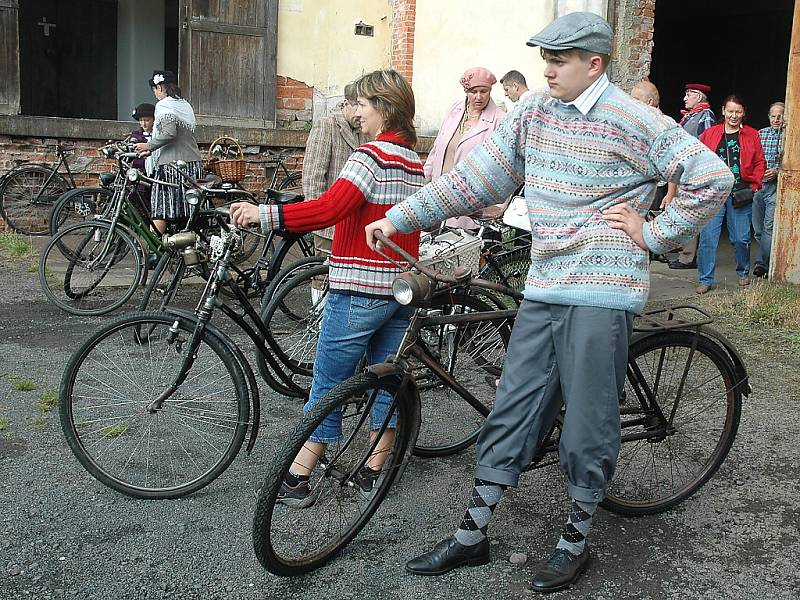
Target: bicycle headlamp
<point x="107" y="179"/>
<point x="192" y="197"/>
<point x="107" y="151"/>
<point x="410" y="287"/>
<point x="132" y="175"/>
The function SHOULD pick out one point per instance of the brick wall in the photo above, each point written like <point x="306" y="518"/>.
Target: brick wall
<point x="86" y="163"/>
<point x="294" y="104"/>
<point x="404" y="14"/>
<point x="633" y="41"/>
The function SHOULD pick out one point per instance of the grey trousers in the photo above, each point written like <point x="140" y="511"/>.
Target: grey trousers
<point x="571" y="354"/>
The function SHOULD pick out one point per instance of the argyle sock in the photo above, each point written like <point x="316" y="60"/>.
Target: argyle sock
<point x="573" y="538"/>
<point x="482" y="502"/>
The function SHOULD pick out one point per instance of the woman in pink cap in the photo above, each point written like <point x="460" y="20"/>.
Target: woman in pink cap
<point x="467" y="123"/>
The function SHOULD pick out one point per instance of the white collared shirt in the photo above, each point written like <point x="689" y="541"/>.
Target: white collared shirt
<point x="591" y="95"/>
<point x="524" y="95"/>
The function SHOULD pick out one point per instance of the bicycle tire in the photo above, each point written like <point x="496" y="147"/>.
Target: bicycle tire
<point x="293" y="317"/>
<point x="17" y="205"/>
<point x="656" y="473"/>
<point x="104" y="416"/>
<point x="74" y="264"/>
<point x="78" y="205"/>
<point x="473" y="353"/>
<point x="282" y="279"/>
<point x="290" y="542"/>
<point x="291" y="181"/>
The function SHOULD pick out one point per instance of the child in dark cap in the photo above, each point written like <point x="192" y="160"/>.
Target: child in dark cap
<point x="589" y="157"/>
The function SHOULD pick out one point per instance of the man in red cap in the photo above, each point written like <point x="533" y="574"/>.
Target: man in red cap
<point x="697" y="117"/>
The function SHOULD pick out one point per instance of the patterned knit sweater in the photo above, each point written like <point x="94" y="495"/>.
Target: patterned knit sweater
<point x="574" y="166"/>
<point x="377" y="176"/>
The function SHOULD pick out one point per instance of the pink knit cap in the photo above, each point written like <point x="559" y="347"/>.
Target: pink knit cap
<point x="477" y="76"/>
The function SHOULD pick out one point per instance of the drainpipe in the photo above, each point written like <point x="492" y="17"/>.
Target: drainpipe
<point x="785" y="257"/>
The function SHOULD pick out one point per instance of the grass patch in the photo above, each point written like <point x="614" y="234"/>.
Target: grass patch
<point x="762" y="304"/>
<point x="47" y="401"/>
<point x="113" y="431"/>
<point x="14" y="245"/>
<point x="23" y="385"/>
<point x="4" y="423"/>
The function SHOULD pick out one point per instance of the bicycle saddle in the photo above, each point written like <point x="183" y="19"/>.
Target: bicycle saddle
<point x="277" y="197"/>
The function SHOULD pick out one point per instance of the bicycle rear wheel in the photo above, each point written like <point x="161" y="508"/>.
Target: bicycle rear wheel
<point x="697" y="394"/>
<point x="293" y="317"/>
<point x="77" y="206"/>
<point x="27" y="196"/>
<point x="292" y="541"/>
<point x="183" y="446"/>
<point x="473" y="353"/>
<point x="90" y="268"/>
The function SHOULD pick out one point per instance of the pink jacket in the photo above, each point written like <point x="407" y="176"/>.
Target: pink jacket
<point x="490" y="117"/>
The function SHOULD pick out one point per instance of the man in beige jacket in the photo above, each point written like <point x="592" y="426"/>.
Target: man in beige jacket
<point x="330" y="143"/>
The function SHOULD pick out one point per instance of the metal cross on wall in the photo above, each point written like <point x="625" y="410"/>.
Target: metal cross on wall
<point x="46" y="26"/>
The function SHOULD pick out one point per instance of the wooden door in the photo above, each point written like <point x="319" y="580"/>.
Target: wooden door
<point x="228" y="64"/>
<point x="9" y="58"/>
<point x="68" y="58"/>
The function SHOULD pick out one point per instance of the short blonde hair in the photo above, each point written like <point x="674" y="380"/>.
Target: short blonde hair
<point x="390" y="94"/>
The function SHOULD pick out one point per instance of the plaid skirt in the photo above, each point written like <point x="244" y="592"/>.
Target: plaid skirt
<point x="166" y="202"/>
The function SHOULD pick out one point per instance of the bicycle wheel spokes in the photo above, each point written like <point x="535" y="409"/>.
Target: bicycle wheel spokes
<point x="108" y="387"/>
<point x="90" y="268"/>
<point x="290" y="541"/>
<point x="473" y="353"/>
<point x="672" y="462"/>
<point x="27" y="197"/>
<point x="293" y="318"/>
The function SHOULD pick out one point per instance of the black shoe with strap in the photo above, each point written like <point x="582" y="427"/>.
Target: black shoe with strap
<point x="676" y="264"/>
<point x="560" y="571"/>
<point x="448" y="555"/>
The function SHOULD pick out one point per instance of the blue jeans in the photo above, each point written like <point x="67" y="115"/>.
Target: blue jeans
<point x="763" y="218"/>
<point x="352" y="327"/>
<point x="739" y="232"/>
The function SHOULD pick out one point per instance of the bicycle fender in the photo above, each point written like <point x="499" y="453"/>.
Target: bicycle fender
<point x="409" y="387"/>
<point x="739" y="368"/>
<point x="255" y="399"/>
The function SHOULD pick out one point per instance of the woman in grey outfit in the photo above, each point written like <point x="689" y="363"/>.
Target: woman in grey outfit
<point x="173" y="139"/>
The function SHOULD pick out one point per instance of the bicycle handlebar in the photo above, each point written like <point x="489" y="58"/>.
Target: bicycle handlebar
<point x="461" y="275"/>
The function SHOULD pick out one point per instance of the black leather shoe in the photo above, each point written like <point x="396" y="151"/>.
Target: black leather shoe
<point x="676" y="264"/>
<point x="448" y="555"/>
<point x="759" y="272"/>
<point x="560" y="571"/>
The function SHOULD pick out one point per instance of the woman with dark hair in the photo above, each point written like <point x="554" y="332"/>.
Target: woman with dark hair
<point x="739" y="146"/>
<point x="361" y="316"/>
<point x="173" y="139"/>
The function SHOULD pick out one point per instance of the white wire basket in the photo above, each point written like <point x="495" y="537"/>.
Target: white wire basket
<point x="446" y="251"/>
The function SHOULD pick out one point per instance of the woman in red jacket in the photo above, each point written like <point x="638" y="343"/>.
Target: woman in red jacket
<point x="739" y="147"/>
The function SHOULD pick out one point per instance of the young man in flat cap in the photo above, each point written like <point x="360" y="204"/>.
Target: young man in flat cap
<point x="697" y="117"/>
<point x="589" y="157"/>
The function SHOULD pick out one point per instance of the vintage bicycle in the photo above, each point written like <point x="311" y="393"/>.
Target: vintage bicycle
<point x="680" y="412"/>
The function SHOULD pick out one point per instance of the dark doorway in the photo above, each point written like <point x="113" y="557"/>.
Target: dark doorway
<point x="68" y="58"/>
<point x="735" y="46"/>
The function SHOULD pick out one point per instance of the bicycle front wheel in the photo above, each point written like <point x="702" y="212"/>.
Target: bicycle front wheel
<point x="473" y="353"/>
<point x="680" y="413"/>
<point x="107" y="392"/>
<point x="292" y="541"/>
<point x="27" y="196"/>
<point x="91" y="268"/>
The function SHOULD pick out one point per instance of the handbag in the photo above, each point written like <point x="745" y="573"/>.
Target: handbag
<point x="743" y="197"/>
<point x="516" y="215"/>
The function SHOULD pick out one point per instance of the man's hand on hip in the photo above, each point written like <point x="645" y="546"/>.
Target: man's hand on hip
<point x="622" y="216"/>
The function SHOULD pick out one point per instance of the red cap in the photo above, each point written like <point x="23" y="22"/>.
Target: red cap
<point x="700" y="87"/>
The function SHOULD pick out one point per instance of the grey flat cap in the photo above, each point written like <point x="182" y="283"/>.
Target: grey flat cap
<point x="581" y="30"/>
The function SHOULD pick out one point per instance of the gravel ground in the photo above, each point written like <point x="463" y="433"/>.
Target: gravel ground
<point x="64" y="535"/>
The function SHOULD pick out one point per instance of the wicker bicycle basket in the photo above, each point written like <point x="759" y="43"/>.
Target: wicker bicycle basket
<point x="228" y="168"/>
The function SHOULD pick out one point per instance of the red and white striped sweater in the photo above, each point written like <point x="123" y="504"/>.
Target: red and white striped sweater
<point x="377" y="176"/>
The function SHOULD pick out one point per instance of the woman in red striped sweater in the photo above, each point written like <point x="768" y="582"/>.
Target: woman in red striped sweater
<point x="361" y="317"/>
